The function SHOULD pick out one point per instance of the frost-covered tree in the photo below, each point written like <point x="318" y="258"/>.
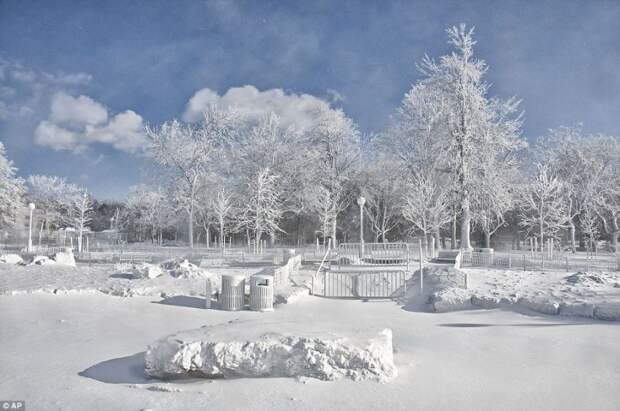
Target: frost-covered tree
<point x="426" y="205"/>
<point x="566" y="152"/>
<point x="606" y="194"/>
<point x="334" y="149"/>
<point x="475" y="126"/>
<point x="416" y="140"/>
<point x="588" y="222"/>
<point x="148" y="211"/>
<point x="53" y="197"/>
<point x="382" y="187"/>
<point x="223" y="206"/>
<point x="262" y="209"/>
<point x="541" y="204"/>
<point x="185" y="153"/>
<point x="80" y="215"/>
<point x="11" y="190"/>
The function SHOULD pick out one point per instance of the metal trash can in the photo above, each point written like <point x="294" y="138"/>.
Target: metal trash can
<point x="233" y="292"/>
<point x="208" y="293"/>
<point x="261" y="292"/>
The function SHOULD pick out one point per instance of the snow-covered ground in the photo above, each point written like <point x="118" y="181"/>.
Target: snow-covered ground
<point x="106" y="278"/>
<point x="585" y="294"/>
<point x="83" y="347"/>
<point x="77" y="352"/>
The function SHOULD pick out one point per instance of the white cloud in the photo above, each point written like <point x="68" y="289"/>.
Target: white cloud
<point x="58" y="138"/>
<point x="75" y="123"/>
<point x="25" y="92"/>
<point x="77" y="111"/>
<point x="125" y="131"/>
<point x="301" y="110"/>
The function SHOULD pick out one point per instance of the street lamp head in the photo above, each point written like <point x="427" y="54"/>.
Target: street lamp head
<point x="31" y="206"/>
<point x="361" y="201"/>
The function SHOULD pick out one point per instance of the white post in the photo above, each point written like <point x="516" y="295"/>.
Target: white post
<point x="360" y="201"/>
<point x="31" y="208"/>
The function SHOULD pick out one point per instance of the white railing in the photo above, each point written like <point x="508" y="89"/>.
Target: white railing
<point x="361" y="284"/>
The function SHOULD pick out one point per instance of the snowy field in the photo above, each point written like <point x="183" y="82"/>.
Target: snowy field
<point x="85" y="350"/>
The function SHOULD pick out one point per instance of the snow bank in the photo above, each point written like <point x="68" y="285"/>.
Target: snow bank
<point x="185" y="269"/>
<point x="438" y="277"/>
<point x="65" y="258"/>
<point x="11" y="259"/>
<point x="277" y="349"/>
<point x="42" y="260"/>
<point x="582" y="294"/>
<point x="289" y="295"/>
<point x="140" y="270"/>
<point x="450" y="299"/>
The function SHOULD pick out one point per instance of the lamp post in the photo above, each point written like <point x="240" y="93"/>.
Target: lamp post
<point x="361" y="201"/>
<point x="31" y="208"/>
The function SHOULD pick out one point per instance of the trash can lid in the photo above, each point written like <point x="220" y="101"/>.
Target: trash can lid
<point x="233" y="278"/>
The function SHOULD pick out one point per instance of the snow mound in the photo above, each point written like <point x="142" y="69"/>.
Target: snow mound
<point x="11" y="259"/>
<point x="607" y="312"/>
<point x="65" y="258"/>
<point x="246" y="349"/>
<point x="42" y="260"/>
<point x="289" y="295"/>
<point x="438" y="277"/>
<point x="543" y="305"/>
<point x="140" y="270"/>
<point x="585" y="278"/>
<point x="450" y="299"/>
<point x="185" y="269"/>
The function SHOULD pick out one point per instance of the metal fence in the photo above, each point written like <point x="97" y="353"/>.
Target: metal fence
<point x="205" y="257"/>
<point x="361" y="284"/>
<point x="542" y="261"/>
<point x="373" y="254"/>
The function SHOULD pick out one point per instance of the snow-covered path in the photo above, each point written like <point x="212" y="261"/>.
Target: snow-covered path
<point x="77" y="352"/>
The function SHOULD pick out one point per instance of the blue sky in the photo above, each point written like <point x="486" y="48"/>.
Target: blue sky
<point x="137" y="62"/>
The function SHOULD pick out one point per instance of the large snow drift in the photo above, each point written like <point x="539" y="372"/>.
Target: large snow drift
<point x="275" y="349"/>
<point x="589" y="295"/>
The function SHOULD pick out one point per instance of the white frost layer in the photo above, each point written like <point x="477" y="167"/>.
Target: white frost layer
<point x="246" y="350"/>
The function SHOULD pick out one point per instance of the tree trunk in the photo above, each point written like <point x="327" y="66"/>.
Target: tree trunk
<point x="334" y="232"/>
<point x="465" y="224"/>
<point x="542" y="233"/>
<point x="487" y="239"/>
<point x="573" y="241"/>
<point x="80" y="240"/>
<point x="453" y="245"/>
<point x="297" y="229"/>
<point x="615" y="234"/>
<point x="190" y="227"/>
<point x="221" y="231"/>
<point x="437" y="236"/>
